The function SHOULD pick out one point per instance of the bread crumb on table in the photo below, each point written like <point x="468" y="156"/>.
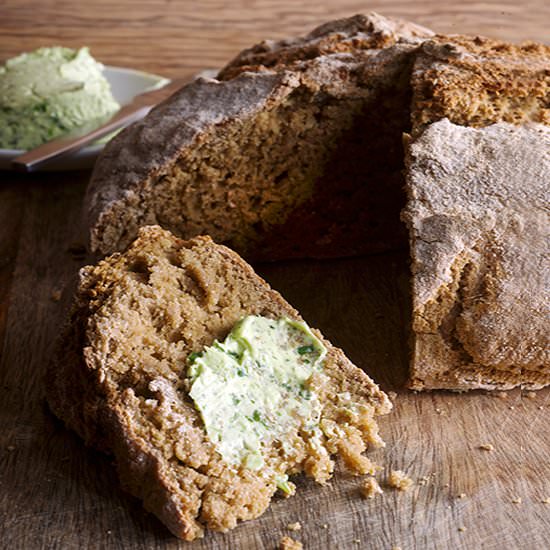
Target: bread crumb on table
<point x="462" y="528"/>
<point x="487" y="447"/>
<point x="55" y="295"/>
<point x="296" y="526"/>
<point x="399" y="480"/>
<point x="516" y="500"/>
<point x="370" y="488"/>
<point x="546" y="500"/>
<point x="424" y="480"/>
<point x="461" y="495"/>
<point x="290" y="544"/>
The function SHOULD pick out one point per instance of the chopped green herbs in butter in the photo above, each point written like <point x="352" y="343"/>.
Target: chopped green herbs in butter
<point x="254" y="387"/>
<point x="49" y="92"/>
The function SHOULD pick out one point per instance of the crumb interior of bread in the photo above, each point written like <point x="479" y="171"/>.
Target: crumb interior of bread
<point x="168" y="301"/>
<point x="316" y="175"/>
<point x="494" y="82"/>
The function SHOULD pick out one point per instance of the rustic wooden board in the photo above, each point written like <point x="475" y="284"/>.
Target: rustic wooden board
<point x="54" y="493"/>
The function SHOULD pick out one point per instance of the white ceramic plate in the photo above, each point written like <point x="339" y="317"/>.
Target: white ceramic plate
<point x="125" y="85"/>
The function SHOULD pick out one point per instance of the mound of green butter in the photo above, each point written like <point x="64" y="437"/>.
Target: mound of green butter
<point x="49" y="92"/>
<point x="254" y="387"/>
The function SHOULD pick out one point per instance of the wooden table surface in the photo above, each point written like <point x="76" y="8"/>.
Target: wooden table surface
<point x="54" y="493"/>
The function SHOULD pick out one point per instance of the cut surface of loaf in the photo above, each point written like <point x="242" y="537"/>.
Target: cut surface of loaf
<point x="475" y="81"/>
<point x="299" y="159"/>
<point x="120" y="380"/>
<point x="479" y="230"/>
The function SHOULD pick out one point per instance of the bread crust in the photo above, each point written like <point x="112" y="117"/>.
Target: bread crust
<point x="356" y="34"/>
<point x="478" y="222"/>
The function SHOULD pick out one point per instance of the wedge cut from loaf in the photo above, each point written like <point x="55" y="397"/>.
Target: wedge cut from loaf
<point x="480" y="232"/>
<point x="120" y="380"/>
<point x="301" y="157"/>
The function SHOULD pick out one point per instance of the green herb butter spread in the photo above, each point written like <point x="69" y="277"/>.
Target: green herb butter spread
<point x="49" y="92"/>
<point x="254" y="387"/>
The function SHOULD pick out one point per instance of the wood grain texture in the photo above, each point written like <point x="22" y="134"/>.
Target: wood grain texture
<point x="54" y="493"/>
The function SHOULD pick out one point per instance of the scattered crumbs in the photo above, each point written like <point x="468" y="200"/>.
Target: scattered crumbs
<point x="424" y="480"/>
<point x="462" y="528"/>
<point x="55" y="295"/>
<point x="531" y="395"/>
<point x="501" y="394"/>
<point x="399" y="480"/>
<point x="109" y="531"/>
<point x="461" y="495"/>
<point x="290" y="544"/>
<point x="324" y="526"/>
<point x="357" y="541"/>
<point x="541" y="407"/>
<point x="296" y="526"/>
<point x="546" y="500"/>
<point x="511" y="407"/>
<point x="10" y="448"/>
<point x="516" y="500"/>
<point x="487" y="447"/>
<point x="446" y="485"/>
<point x="392" y="395"/>
<point x="370" y="488"/>
<point x="439" y="411"/>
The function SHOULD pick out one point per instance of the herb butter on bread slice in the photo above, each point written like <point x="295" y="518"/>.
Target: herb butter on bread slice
<point x="205" y="385"/>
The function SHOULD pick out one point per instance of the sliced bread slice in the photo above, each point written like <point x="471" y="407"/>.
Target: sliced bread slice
<point x="122" y="380"/>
